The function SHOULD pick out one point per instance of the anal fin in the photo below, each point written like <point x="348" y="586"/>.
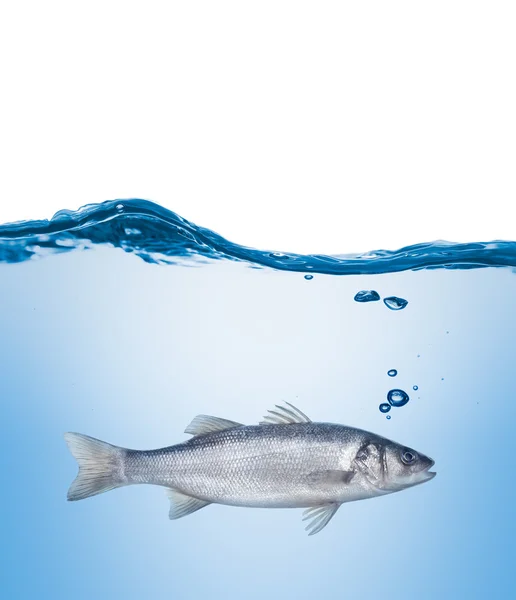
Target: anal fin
<point x="182" y="505"/>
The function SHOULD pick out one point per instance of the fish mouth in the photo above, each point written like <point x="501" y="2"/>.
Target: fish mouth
<point x="425" y="474"/>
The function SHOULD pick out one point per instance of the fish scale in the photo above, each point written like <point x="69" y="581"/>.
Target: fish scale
<point x="287" y="461"/>
<point x="261" y="465"/>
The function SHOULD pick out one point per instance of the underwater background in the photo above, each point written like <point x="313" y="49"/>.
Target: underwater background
<point x="123" y="321"/>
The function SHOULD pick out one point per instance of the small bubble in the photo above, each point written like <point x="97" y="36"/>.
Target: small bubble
<point x="308" y="277"/>
<point x="367" y="296"/>
<point x="392" y="373"/>
<point x="388" y="417"/>
<point x="397" y="398"/>
<point x="119" y="207"/>
<point x="447" y="332"/>
<point x="385" y="408"/>
<point x="442" y="378"/>
<point x="418" y="355"/>
<point x="395" y="303"/>
<point x="414" y="387"/>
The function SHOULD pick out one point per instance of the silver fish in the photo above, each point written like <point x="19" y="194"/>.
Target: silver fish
<point x="286" y="461"/>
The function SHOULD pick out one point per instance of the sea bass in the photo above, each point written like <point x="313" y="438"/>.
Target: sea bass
<point x="287" y="461"/>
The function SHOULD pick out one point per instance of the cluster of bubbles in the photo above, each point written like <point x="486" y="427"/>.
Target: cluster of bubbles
<point x="395" y="397"/>
<point x="392" y="302"/>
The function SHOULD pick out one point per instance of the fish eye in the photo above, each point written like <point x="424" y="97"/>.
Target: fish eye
<point x="408" y="457"/>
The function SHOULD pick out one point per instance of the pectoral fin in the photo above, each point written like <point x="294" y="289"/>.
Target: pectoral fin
<point x="182" y="505"/>
<point x="319" y="517"/>
<point x="330" y="477"/>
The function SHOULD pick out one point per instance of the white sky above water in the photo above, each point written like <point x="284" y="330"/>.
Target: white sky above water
<point x="326" y="127"/>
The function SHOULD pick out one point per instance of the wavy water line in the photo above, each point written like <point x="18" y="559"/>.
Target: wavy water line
<point x="158" y="235"/>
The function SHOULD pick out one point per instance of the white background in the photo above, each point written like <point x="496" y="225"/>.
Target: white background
<point x="302" y="126"/>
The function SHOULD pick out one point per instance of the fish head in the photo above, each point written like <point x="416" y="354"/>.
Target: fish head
<point x="404" y="467"/>
<point x="390" y="467"/>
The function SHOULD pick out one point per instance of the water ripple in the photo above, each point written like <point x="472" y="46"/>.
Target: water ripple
<point x="158" y="235"/>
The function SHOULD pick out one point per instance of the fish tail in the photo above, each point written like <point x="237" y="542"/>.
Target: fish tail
<point x="101" y="466"/>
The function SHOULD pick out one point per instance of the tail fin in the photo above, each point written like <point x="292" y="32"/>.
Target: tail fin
<point x="100" y="466"/>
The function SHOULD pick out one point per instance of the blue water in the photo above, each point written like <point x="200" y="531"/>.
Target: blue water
<point x="128" y="350"/>
<point x="160" y="236"/>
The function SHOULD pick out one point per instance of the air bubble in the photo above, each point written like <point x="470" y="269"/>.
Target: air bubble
<point x="397" y="398"/>
<point x="388" y="417"/>
<point x="385" y="408"/>
<point x="395" y="303"/>
<point x="392" y="373"/>
<point x="119" y="207"/>
<point x="367" y="296"/>
<point x="308" y="277"/>
<point x="414" y="387"/>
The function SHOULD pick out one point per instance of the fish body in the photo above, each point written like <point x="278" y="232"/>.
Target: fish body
<point x="269" y="466"/>
<point x="287" y="461"/>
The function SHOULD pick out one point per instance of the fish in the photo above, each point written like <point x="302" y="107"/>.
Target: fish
<point x="286" y="461"/>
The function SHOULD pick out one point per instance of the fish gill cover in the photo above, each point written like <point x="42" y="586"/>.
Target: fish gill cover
<point x="158" y="235"/>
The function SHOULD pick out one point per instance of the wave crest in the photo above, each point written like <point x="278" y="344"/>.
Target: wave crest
<point x="158" y="235"/>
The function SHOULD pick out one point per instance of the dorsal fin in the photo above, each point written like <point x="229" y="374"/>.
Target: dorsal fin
<point x="206" y="424"/>
<point x="285" y="416"/>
